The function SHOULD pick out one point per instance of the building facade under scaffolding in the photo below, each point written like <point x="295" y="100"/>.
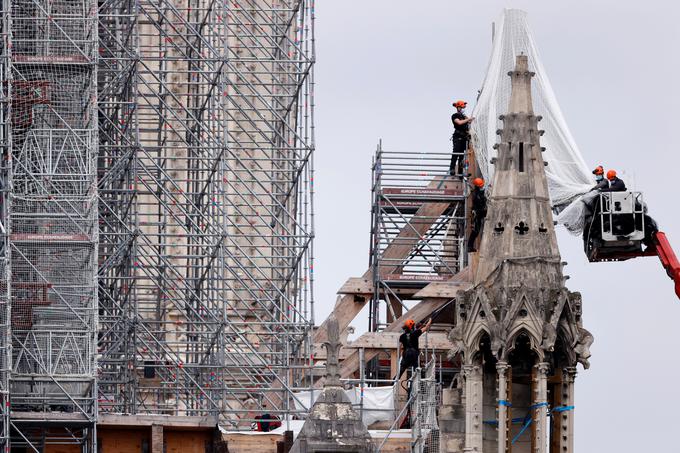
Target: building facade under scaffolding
<point x="156" y="219"/>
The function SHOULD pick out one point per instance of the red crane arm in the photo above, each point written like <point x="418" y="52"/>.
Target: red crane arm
<point x="668" y="259"/>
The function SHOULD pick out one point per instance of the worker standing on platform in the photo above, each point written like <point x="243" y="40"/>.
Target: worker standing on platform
<point x="478" y="212"/>
<point x="601" y="183"/>
<point x="409" y="344"/>
<point x="615" y="184"/>
<point x="461" y="137"/>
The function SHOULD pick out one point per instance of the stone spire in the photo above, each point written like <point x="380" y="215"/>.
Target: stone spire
<point x="518" y="330"/>
<point x="520" y="98"/>
<point x="519" y="223"/>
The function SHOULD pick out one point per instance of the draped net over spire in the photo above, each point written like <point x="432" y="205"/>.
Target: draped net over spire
<point x="568" y="175"/>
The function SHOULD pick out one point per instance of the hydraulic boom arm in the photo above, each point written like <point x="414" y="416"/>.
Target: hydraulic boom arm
<point x="668" y="259"/>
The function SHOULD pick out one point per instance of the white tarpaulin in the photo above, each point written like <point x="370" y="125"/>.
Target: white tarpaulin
<point x="568" y="175"/>
<point x="378" y="402"/>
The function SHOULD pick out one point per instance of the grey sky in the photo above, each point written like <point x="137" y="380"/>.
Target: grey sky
<point x="390" y="68"/>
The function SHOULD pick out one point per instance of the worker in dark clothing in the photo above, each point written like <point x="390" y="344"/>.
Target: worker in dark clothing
<point x="601" y="183"/>
<point x="267" y="422"/>
<point x="478" y="212"/>
<point x="592" y="203"/>
<point x="461" y="137"/>
<point x="615" y="184"/>
<point x="409" y="344"/>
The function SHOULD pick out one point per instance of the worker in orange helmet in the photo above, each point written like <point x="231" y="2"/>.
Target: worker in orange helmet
<point x="601" y="182"/>
<point x="478" y="212"/>
<point x="409" y="344"/>
<point x="461" y="137"/>
<point x="614" y="183"/>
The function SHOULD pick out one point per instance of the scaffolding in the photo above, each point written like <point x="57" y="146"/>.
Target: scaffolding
<point x="50" y="215"/>
<point x="156" y="222"/>
<point x="206" y="221"/>
<point x="5" y="328"/>
<point x="425" y="437"/>
<point x="418" y="222"/>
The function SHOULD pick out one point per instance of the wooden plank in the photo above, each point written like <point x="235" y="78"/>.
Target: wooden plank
<point x="117" y="440"/>
<point x="186" y="442"/>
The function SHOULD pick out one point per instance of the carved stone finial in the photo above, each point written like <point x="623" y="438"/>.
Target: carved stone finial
<point x="333" y="346"/>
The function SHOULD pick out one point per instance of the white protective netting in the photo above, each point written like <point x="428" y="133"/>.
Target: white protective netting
<point x="568" y="175"/>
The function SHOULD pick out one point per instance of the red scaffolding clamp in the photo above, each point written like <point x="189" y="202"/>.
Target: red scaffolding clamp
<point x="668" y="259"/>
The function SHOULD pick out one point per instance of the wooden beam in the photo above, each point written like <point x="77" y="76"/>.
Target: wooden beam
<point x="357" y="285"/>
<point x="347" y="307"/>
<point x="445" y="290"/>
<point x="390" y="340"/>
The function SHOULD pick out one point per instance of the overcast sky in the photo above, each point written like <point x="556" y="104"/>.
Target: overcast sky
<point x="390" y="68"/>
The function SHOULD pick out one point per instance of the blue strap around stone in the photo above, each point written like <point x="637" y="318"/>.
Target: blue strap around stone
<point x="528" y="420"/>
<point x="537" y="405"/>
<point x="562" y="408"/>
<point x="527" y="423"/>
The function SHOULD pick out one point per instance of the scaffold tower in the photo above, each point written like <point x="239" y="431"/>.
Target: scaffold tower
<point x="5" y="331"/>
<point x="51" y="220"/>
<point x="156" y="213"/>
<point x="418" y="226"/>
<point x="205" y="213"/>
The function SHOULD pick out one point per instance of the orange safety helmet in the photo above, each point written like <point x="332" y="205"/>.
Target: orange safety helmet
<point x="409" y="324"/>
<point x="599" y="170"/>
<point x="460" y="104"/>
<point x="611" y="174"/>
<point x="478" y="182"/>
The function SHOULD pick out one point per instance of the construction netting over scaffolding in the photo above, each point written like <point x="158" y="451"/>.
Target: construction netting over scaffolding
<point x="567" y="172"/>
